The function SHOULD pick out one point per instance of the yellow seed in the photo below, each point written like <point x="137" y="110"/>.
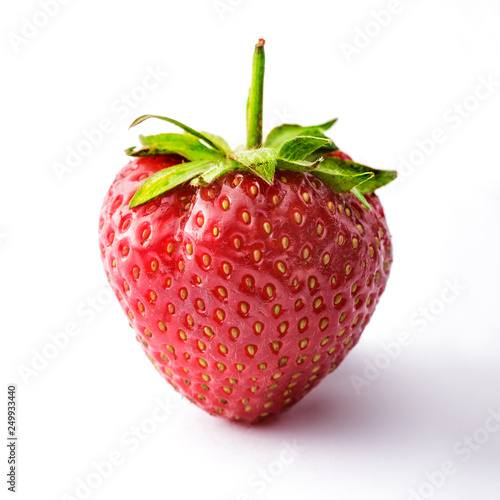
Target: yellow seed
<point x="235" y="333"/>
<point x="319" y="229"/>
<point x="170" y="348"/>
<point x="182" y="335"/>
<point x="303" y="323"/>
<point x="220" y="314"/>
<point x="227" y="390"/>
<point x="225" y="204"/>
<point x="340" y="239"/>
<point x="237" y="243"/>
<point x="257" y="254"/>
<point x="281" y="267"/>
<point x="325" y="259"/>
<point x="221" y="366"/>
<point x="312" y="282"/>
<point x="316" y="358"/>
<point x="206" y="260"/>
<point x="202" y="362"/>
<point x="267" y="227"/>
<point x="377" y="241"/>
<point x="360" y="228"/>
<point x="268" y="404"/>
<point x="251" y="350"/>
<point x="342" y="317"/>
<point x="330" y="206"/>
<point x="258" y="327"/>
<point x="285" y="242"/>
<point x="303" y="343"/>
<point x="306" y="197"/>
<point x="317" y="302"/>
<point x="226" y="267"/>
<point x="222" y="291"/>
<point x="240" y="367"/>
<point x="244" y="307"/>
<point x="354" y="243"/>
<point x="208" y="331"/>
<point x="301" y="359"/>
<point x="190" y="320"/>
<point x="201" y="345"/>
<point x="161" y="326"/>
<point x="215" y="231"/>
<point x="262" y="366"/>
<point x="200" y="304"/>
<point x="372" y="251"/>
<point x="253" y="190"/>
<point x="223" y="348"/>
<point x="282" y="327"/>
<point x="275" y="345"/>
<point x="277" y="375"/>
<point x="297" y="217"/>
<point x="337" y="298"/>
<point x="205" y="377"/>
<point x="189" y="248"/>
<point x="348" y="212"/>
<point x="323" y="323"/>
<point x="305" y="253"/>
<point x="348" y="269"/>
<point x="324" y="341"/>
<point x="246" y="217"/>
<point x="355" y="320"/>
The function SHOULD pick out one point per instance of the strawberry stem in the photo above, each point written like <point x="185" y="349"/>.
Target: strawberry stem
<point x="256" y="98"/>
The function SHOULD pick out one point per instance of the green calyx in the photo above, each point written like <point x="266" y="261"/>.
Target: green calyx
<point x="287" y="147"/>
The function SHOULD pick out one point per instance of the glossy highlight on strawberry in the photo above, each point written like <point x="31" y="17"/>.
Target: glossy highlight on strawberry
<point x="245" y="289"/>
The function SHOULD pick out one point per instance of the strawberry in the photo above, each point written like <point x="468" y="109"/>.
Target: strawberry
<point x="247" y="275"/>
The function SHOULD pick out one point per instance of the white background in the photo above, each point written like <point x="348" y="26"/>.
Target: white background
<point x="380" y="441"/>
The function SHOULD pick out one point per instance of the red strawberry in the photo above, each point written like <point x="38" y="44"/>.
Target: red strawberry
<point x="246" y="288"/>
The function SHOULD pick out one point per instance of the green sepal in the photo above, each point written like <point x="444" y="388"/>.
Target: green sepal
<point x="187" y="129"/>
<point x="261" y="162"/>
<point x="279" y="135"/>
<point x="340" y="175"/>
<point x="300" y="147"/>
<point x="188" y="146"/>
<point x="218" y="141"/>
<point x="167" y="179"/>
<point x="297" y="165"/>
<point x="356" y="192"/>
<point x="380" y="178"/>
<point x="215" y="171"/>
